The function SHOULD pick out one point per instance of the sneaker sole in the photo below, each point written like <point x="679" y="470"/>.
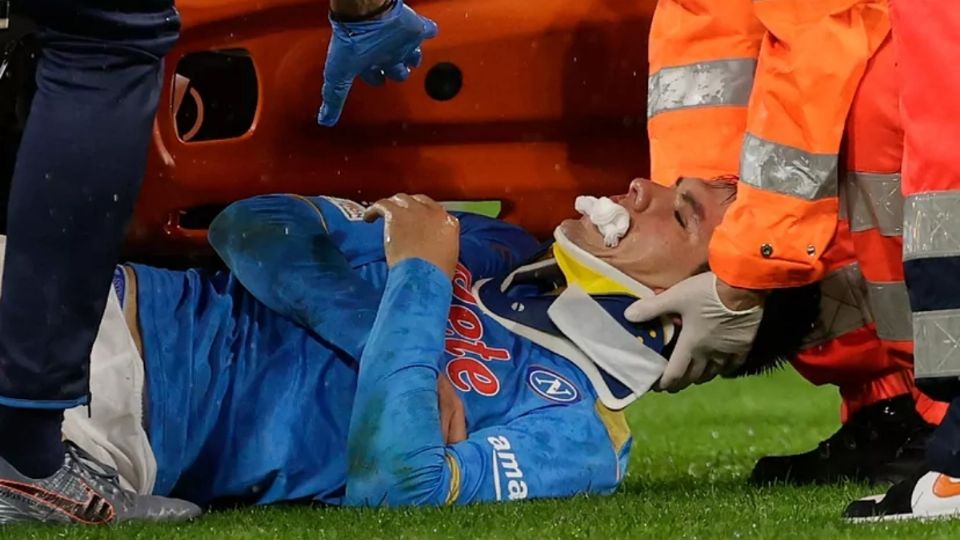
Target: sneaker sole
<point x="905" y="517"/>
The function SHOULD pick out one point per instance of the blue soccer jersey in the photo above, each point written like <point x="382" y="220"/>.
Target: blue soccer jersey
<point x="309" y="372"/>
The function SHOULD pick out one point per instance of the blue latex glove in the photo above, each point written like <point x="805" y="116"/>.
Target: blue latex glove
<point x="388" y="47"/>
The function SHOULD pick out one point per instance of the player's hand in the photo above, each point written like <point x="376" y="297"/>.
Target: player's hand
<point x="714" y="338"/>
<point x="377" y="49"/>
<point x="453" y="420"/>
<point x="416" y="226"/>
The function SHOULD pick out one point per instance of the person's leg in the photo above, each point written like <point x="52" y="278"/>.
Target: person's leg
<point x="872" y="202"/>
<point x="866" y="308"/>
<point x="880" y="431"/>
<point x="77" y="176"/>
<point x="925" y="36"/>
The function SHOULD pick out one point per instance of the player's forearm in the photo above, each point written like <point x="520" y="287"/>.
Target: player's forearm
<point x="280" y="250"/>
<point x="396" y="452"/>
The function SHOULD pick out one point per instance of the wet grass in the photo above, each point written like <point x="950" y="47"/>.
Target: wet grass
<point x="691" y="455"/>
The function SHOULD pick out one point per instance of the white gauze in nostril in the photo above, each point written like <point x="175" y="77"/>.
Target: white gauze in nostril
<point x="609" y="217"/>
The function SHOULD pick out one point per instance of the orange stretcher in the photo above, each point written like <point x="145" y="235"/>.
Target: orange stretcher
<point x="527" y="103"/>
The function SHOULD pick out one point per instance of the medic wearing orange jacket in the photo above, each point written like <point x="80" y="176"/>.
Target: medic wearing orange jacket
<point x="806" y="60"/>
<point x="769" y="89"/>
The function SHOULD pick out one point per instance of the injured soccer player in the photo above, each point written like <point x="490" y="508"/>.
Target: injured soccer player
<point x="417" y="359"/>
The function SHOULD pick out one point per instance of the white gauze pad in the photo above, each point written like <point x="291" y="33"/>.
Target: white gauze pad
<point x="611" y="219"/>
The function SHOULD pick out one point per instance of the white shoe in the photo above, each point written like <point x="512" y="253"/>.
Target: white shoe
<point x="928" y="495"/>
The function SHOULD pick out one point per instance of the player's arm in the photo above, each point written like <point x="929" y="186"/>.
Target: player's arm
<point x="396" y="451"/>
<point x="489" y="246"/>
<point x="308" y="257"/>
<point x="293" y="222"/>
<point x="293" y="253"/>
<point x="284" y="251"/>
<point x="554" y="453"/>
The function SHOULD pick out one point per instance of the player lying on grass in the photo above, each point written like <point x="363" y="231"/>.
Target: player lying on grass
<point x="361" y="364"/>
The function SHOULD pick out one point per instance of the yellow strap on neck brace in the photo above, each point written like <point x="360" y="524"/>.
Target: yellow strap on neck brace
<point x="590" y="280"/>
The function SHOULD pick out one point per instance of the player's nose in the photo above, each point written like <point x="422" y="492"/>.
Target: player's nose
<point x="640" y="195"/>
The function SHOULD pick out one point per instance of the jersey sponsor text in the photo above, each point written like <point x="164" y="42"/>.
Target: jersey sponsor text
<point x="468" y="371"/>
<point x="505" y="464"/>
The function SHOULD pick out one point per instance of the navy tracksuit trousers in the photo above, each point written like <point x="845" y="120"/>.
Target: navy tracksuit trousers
<point x="78" y="172"/>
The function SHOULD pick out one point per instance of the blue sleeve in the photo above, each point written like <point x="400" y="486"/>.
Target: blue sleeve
<point x="554" y="453"/>
<point x="488" y="247"/>
<point x="309" y="257"/>
<point x="396" y="454"/>
<point x="278" y="247"/>
<point x="276" y="218"/>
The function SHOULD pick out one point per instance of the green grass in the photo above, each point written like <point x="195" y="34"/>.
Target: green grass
<point x="691" y="455"/>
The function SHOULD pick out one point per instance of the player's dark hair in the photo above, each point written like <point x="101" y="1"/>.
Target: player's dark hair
<point x="789" y="315"/>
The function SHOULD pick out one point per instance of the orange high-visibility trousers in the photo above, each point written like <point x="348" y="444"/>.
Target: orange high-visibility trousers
<point x="927" y="37"/>
<point x="864" y="341"/>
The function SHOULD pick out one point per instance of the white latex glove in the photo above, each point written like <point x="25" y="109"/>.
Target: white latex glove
<point x="713" y="338"/>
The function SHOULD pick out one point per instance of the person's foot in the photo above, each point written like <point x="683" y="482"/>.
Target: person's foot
<point x="82" y="491"/>
<point x="882" y="443"/>
<point x="925" y="495"/>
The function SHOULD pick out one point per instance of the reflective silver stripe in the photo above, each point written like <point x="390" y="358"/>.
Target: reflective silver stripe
<point x="890" y="304"/>
<point x="931" y="225"/>
<point x="936" y="343"/>
<point x="704" y="84"/>
<point x="788" y="170"/>
<point x="843" y="305"/>
<point x="874" y="201"/>
<point x="856" y="205"/>
<point x="843" y="193"/>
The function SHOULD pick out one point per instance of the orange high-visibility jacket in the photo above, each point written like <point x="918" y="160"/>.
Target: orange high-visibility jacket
<point x="785" y="73"/>
<point x="703" y="54"/>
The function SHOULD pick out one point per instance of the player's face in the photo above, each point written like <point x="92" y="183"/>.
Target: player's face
<point x="669" y="234"/>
